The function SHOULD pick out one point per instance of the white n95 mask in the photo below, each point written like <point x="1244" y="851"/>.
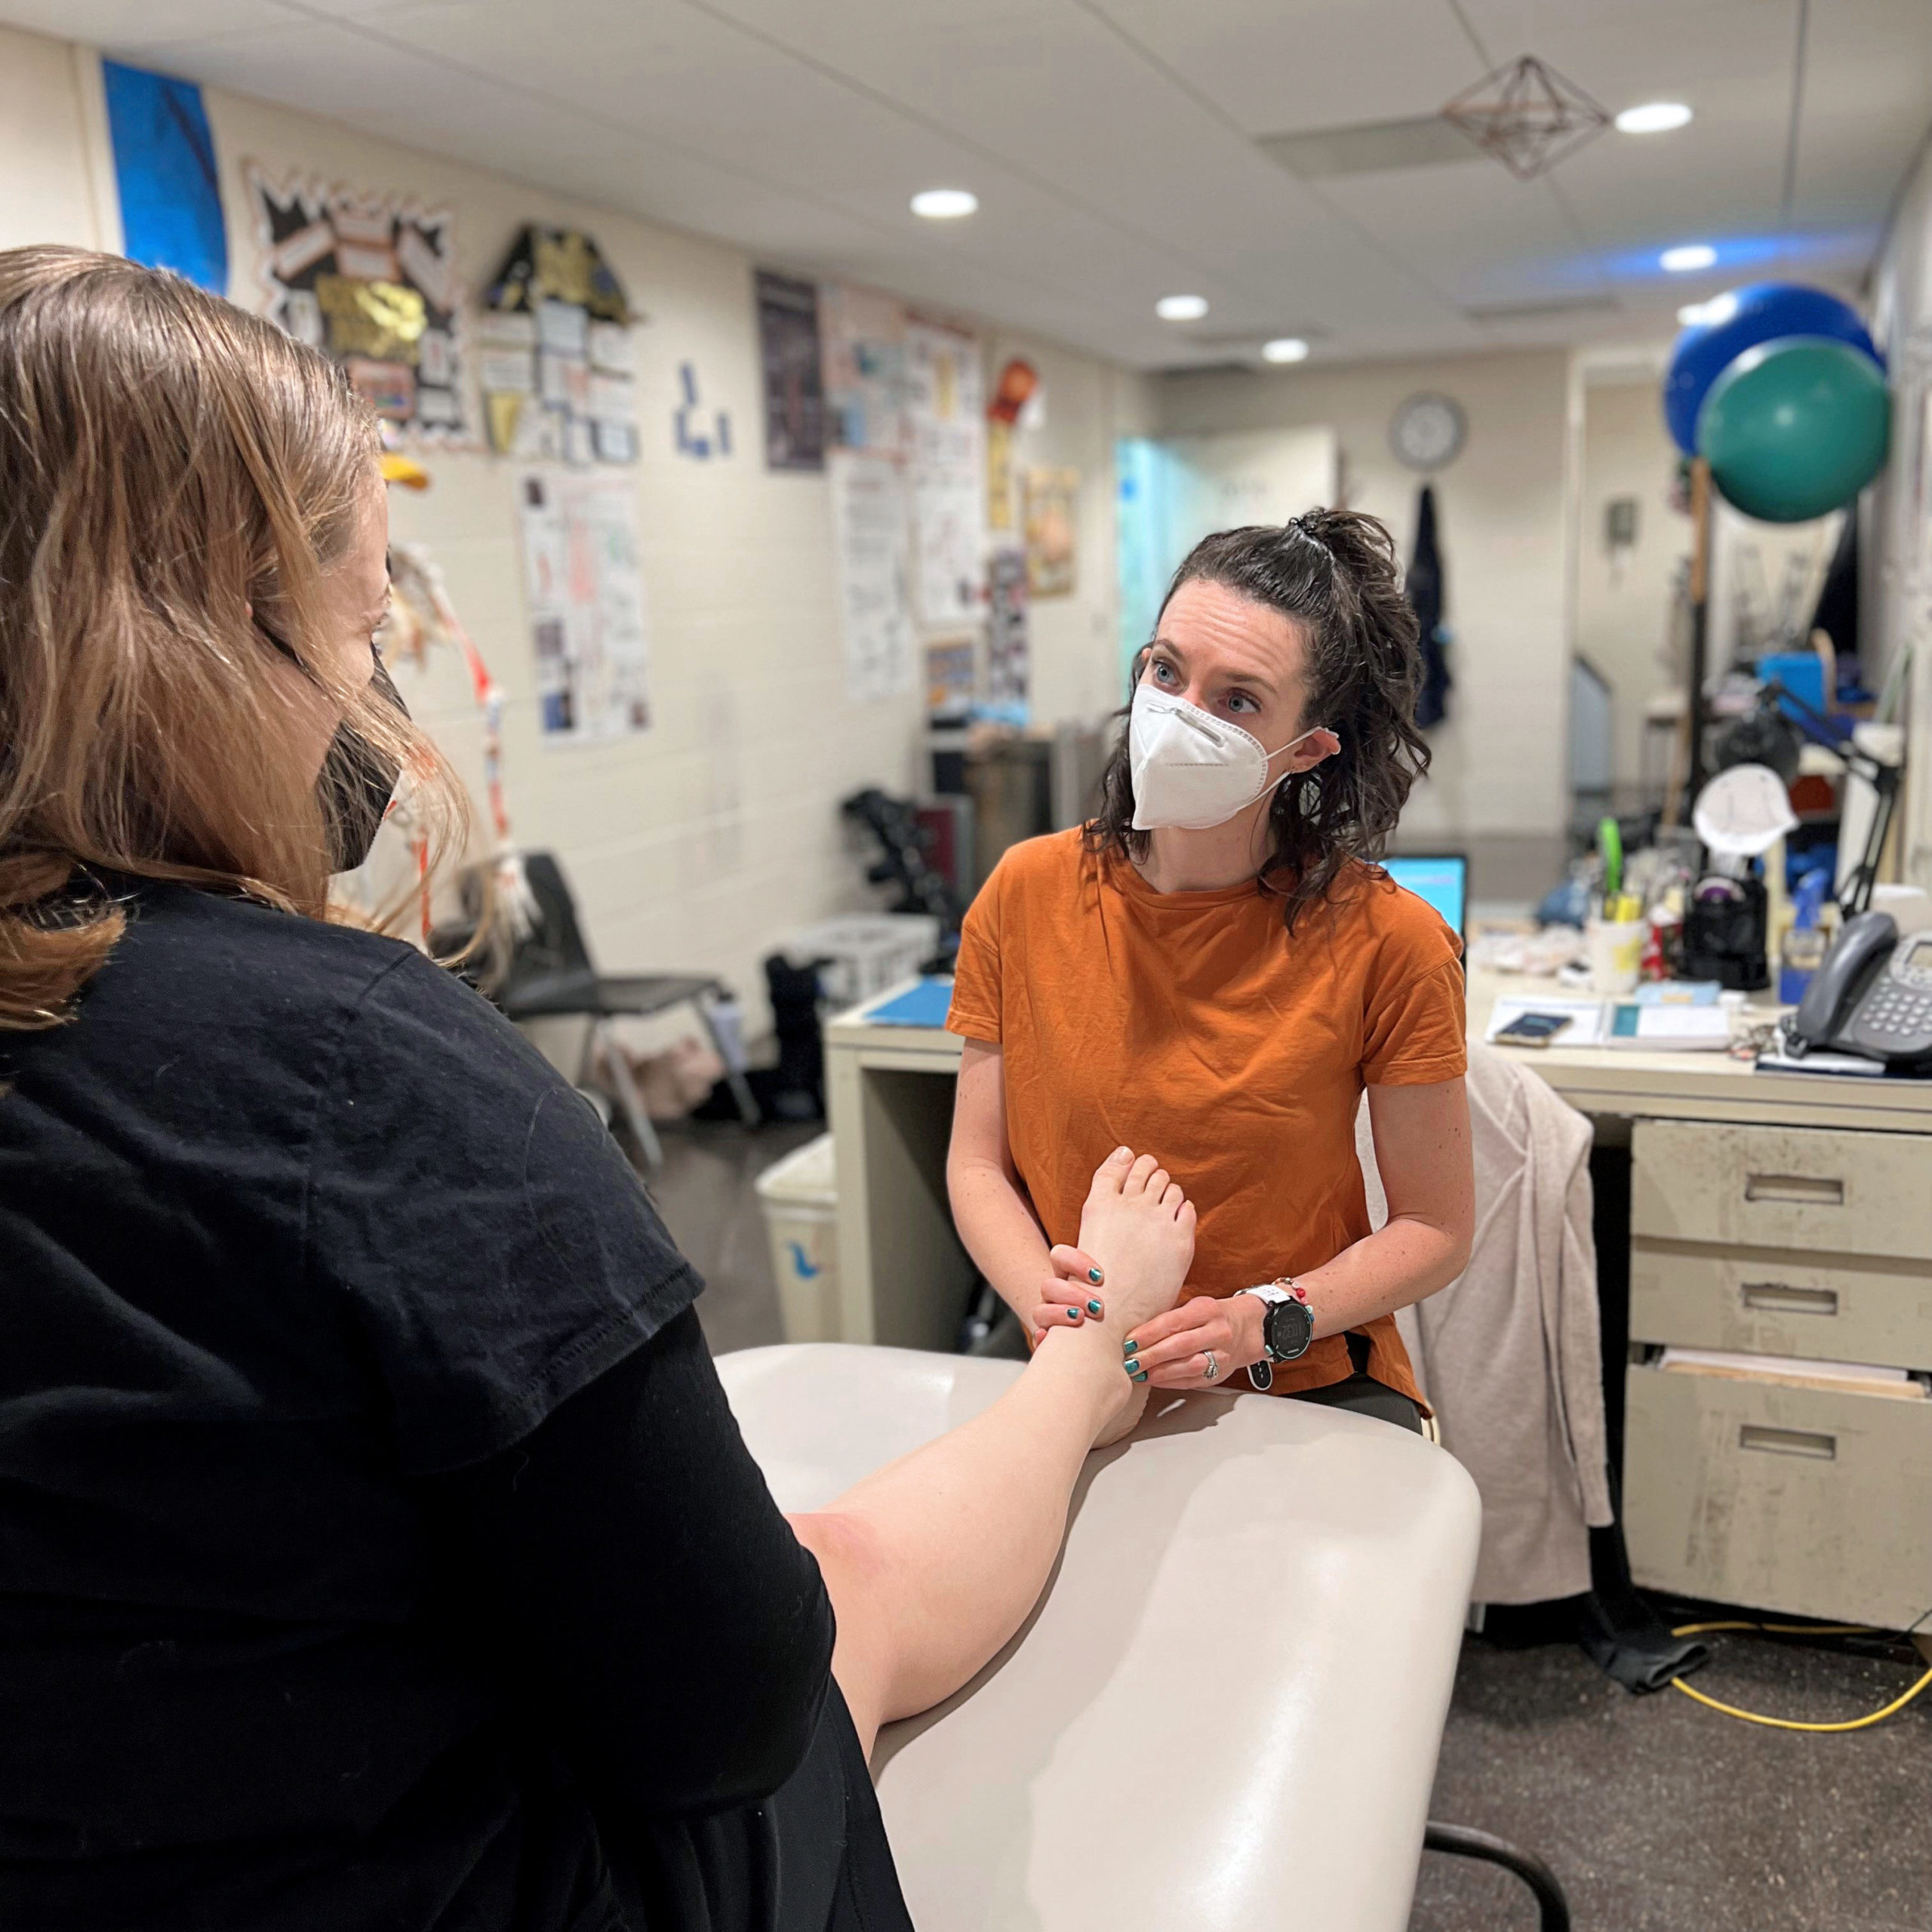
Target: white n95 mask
<point x="1191" y="770"/>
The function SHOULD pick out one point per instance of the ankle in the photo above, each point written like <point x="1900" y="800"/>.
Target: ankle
<point x="1089" y="1358"/>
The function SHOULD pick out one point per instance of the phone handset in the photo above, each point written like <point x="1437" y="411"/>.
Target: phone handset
<point x="1864" y="945"/>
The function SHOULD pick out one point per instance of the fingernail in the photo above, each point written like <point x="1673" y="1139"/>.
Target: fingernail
<point x="1073" y="1315"/>
<point x="1130" y="1347"/>
<point x="1094" y="1275"/>
<point x="1139" y="1375"/>
<point x="1092" y="1308"/>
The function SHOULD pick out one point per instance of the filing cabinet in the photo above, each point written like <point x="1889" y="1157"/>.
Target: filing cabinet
<point x="1789" y="1242"/>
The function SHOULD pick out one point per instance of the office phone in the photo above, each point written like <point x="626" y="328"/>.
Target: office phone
<point x="1872" y="996"/>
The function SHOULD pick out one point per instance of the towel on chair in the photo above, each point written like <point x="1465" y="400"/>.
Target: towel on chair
<point x="1509" y="1354"/>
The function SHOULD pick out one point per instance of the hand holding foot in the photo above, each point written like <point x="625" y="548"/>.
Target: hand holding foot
<point x="1138" y="1228"/>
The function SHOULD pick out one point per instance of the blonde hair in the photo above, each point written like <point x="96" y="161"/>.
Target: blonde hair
<point x="176" y="476"/>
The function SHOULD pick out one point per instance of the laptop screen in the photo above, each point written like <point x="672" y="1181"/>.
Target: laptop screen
<point x="1441" y="878"/>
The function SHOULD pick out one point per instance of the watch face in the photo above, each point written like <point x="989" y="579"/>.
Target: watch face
<point x="1289" y="1329"/>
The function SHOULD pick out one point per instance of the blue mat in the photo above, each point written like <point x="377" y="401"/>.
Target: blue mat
<point x="926" y="1004"/>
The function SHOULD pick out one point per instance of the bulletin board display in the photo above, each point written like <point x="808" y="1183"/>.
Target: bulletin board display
<point x="554" y="356"/>
<point x="371" y="279"/>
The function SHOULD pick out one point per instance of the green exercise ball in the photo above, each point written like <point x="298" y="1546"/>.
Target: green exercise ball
<point x="1795" y="427"/>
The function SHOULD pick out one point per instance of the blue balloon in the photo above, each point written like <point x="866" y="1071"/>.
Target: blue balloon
<point x="1760" y="311"/>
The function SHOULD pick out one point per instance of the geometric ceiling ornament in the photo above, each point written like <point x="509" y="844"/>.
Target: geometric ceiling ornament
<point x="1527" y="115"/>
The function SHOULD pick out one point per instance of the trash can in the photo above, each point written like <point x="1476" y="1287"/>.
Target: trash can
<point x="799" y="1196"/>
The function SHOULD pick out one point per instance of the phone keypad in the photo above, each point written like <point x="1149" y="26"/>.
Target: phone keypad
<point x="1895" y="1012"/>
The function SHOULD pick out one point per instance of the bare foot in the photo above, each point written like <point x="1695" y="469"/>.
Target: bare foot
<point x="1139" y="1227"/>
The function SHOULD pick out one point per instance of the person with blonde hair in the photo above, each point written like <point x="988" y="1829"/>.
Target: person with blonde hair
<point x="380" y="1552"/>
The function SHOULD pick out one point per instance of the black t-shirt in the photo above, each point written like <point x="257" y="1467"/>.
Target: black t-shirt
<point x="294" y="1232"/>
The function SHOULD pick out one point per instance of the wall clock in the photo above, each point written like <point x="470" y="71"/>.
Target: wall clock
<point x="1427" y="432"/>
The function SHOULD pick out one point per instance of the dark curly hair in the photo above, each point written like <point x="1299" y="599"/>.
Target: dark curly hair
<point x="1334" y="573"/>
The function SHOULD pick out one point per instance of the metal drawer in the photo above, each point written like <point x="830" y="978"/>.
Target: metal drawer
<point x="1794" y="1500"/>
<point x="1828" y="1190"/>
<point x="1778" y="1301"/>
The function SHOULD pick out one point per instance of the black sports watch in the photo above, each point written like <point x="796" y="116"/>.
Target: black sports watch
<point x="1287" y="1327"/>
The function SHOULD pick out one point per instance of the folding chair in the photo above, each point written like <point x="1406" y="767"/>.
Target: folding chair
<point x="551" y="976"/>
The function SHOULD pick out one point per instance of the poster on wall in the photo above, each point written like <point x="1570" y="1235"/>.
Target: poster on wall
<point x="788" y="343"/>
<point x="1053" y="526"/>
<point x="869" y="524"/>
<point x="1009" y="664"/>
<point x="585" y="592"/>
<point x="945" y="414"/>
<point x="371" y="279"/>
<point x="865" y="368"/>
<point x="165" y="172"/>
<point x="554" y="356"/>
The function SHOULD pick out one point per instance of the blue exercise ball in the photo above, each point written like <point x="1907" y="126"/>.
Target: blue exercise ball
<point x="1794" y="428"/>
<point x="1760" y="311"/>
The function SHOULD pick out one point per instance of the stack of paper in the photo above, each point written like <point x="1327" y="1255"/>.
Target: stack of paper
<point x="1793" y="1371"/>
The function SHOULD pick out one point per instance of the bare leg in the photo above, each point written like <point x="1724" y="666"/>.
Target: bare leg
<point x="933" y="1562"/>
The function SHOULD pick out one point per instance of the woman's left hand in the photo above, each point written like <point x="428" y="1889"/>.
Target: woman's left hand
<point x="1174" y="1348"/>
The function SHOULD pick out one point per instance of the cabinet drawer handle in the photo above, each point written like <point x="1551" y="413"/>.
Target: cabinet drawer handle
<point x="1801" y="1189"/>
<point x="1781" y="1298"/>
<point x="1788" y="1441"/>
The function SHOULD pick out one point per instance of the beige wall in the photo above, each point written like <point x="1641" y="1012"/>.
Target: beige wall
<point x="1500" y="768"/>
<point x="1624" y="600"/>
<point x="700" y="843"/>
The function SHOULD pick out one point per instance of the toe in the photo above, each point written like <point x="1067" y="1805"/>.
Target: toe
<point x="1139" y="1175"/>
<point x="1158" y="1184"/>
<point x="1112" y="1172"/>
<point x="1174" y="1197"/>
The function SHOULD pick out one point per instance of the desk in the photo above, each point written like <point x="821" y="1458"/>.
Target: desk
<point x="1712" y="1265"/>
<point x="1624" y="1084"/>
<point x="903" y="1278"/>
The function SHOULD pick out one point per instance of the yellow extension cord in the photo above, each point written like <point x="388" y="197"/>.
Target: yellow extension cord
<point x="1795" y="1630"/>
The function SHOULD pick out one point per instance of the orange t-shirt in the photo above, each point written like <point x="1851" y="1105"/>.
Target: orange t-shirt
<point x="1193" y="1026"/>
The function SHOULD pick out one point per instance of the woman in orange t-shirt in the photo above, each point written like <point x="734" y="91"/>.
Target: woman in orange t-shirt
<point x="1212" y="970"/>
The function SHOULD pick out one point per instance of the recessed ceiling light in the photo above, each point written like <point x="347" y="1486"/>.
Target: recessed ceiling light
<point x="1181" y="308"/>
<point x="1654" y="117"/>
<point x="1718" y="308"/>
<point x="1285" y="349"/>
<point x="945" y="204"/>
<point x="1693" y="256"/>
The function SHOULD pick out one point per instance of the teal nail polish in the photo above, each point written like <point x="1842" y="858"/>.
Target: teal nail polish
<point x="1131" y="1347"/>
<point x="1092" y="1308"/>
<point x="1139" y="1375"/>
<point x="1094" y="1275"/>
<point x="1073" y="1315"/>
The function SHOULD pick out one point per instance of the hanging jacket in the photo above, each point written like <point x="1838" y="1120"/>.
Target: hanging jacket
<point x="1509" y="1354"/>
<point x="1427" y="599"/>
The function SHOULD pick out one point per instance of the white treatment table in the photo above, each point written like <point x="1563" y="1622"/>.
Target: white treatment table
<point x="1098" y="1775"/>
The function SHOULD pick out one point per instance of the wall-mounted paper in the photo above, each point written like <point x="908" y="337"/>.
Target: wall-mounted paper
<point x="869" y="522"/>
<point x="945" y="417"/>
<point x="585" y="592"/>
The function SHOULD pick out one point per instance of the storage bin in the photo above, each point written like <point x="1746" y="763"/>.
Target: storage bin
<point x="799" y="1199"/>
<point x="864" y="952"/>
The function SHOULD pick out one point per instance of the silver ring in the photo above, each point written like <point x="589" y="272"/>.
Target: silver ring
<point x="1213" y="1368"/>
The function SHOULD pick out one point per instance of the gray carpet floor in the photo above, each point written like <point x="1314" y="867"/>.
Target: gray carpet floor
<point x="1657" y="1814"/>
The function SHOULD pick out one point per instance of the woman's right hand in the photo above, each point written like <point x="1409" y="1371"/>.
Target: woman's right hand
<point x="1072" y="1295"/>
